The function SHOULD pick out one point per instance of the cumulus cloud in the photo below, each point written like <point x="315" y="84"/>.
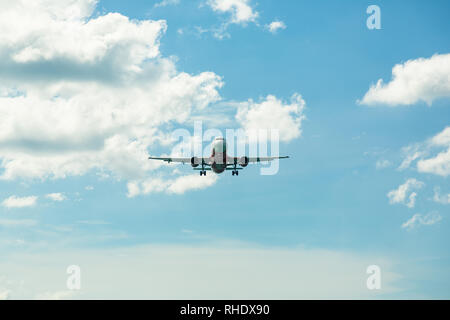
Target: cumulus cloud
<point x="420" y="220"/>
<point x="96" y="106"/>
<point x="63" y="32"/>
<point x="84" y="93"/>
<point x="58" y="197"/>
<point x="275" y="26"/>
<point x="94" y="126"/>
<point x="171" y="186"/>
<point x="423" y="79"/>
<point x="18" y="202"/>
<point x="404" y="194"/>
<point x="240" y="10"/>
<point x="273" y="114"/>
<point x="432" y="156"/>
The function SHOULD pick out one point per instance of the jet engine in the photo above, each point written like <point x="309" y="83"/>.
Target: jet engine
<point x="243" y="161"/>
<point x="195" y="162"/>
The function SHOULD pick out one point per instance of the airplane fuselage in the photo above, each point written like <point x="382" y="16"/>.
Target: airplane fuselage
<point x="219" y="155"/>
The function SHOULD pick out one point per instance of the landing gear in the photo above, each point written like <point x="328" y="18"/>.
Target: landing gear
<point x="203" y="171"/>
<point x="235" y="171"/>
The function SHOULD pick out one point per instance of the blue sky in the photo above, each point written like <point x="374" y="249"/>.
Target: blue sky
<point x="320" y="221"/>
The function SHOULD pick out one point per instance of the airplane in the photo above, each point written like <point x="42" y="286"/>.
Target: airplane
<point x="218" y="162"/>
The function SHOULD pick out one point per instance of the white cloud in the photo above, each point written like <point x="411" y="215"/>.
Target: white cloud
<point x="240" y="10"/>
<point x="58" y="197"/>
<point x="50" y="30"/>
<point x="440" y="163"/>
<point x="17" y="202"/>
<point x="273" y="114"/>
<point x="403" y="194"/>
<point x="423" y="79"/>
<point x="96" y="127"/>
<point x="92" y="107"/>
<point x="17" y="223"/>
<point x="171" y="186"/>
<point x="418" y="220"/>
<point x="442" y="138"/>
<point x="165" y="3"/>
<point x="89" y="188"/>
<point x="275" y="26"/>
<point x="133" y="189"/>
<point x="191" y="182"/>
<point x="412" y="154"/>
<point x="441" y="198"/>
<point x="240" y="13"/>
<point x="432" y="156"/>
<point x="68" y="109"/>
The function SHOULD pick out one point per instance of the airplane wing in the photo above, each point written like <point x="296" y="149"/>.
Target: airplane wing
<point x="235" y="160"/>
<point x="180" y="160"/>
<point x="260" y="159"/>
